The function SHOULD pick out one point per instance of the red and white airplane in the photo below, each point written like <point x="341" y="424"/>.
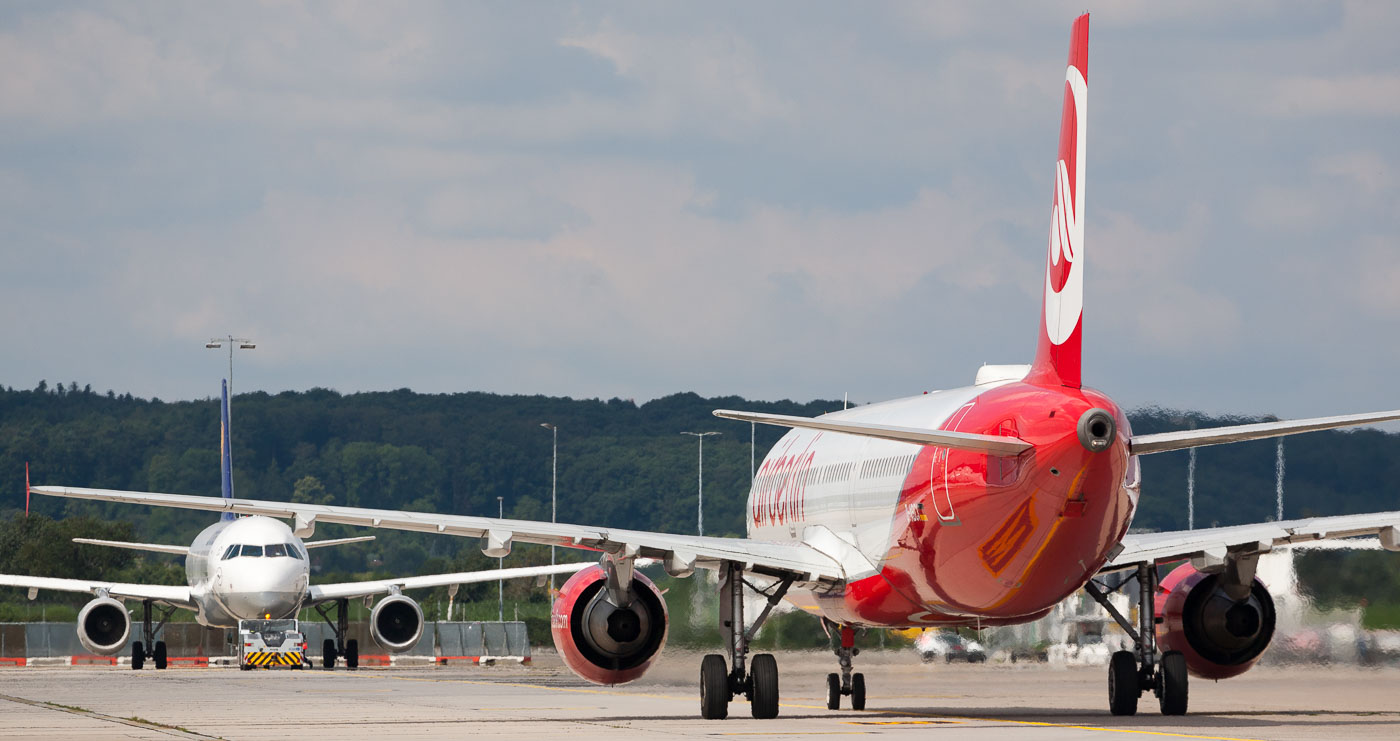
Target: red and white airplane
<point x="977" y="506"/>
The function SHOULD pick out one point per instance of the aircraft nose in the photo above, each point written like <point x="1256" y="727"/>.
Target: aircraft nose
<point x="273" y="587"/>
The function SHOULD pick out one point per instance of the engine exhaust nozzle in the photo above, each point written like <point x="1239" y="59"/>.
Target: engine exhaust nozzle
<point x="1096" y="430"/>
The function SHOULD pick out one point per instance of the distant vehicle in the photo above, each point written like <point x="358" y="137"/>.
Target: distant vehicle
<point x="937" y="644"/>
<point x="274" y="644"/>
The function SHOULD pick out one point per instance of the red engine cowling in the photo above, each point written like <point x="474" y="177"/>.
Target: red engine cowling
<point x="601" y="642"/>
<point x="1219" y="637"/>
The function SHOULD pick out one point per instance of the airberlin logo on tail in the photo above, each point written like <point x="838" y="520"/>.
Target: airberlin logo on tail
<point x="1064" y="275"/>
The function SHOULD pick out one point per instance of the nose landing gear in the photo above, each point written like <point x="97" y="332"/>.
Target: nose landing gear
<point x="846" y="683"/>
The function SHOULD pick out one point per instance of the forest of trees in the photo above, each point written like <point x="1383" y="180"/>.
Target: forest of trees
<point x="621" y="464"/>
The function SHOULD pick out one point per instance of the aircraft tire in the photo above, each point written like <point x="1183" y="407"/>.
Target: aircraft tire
<point x="1123" y="690"/>
<point x="857" y="691"/>
<point x="352" y="654"/>
<point x="1171" y="684"/>
<point x="714" y="688"/>
<point x="833" y="691"/>
<point x="328" y="653"/>
<point x="138" y="656"/>
<point x="764" y="676"/>
<point x="160" y="656"/>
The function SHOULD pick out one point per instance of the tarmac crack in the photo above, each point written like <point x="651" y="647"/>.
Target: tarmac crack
<point x="133" y="722"/>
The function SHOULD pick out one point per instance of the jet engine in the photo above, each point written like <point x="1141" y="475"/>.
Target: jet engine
<point x="104" y="626"/>
<point x="601" y="641"/>
<point x="1219" y="635"/>
<point x="396" y="623"/>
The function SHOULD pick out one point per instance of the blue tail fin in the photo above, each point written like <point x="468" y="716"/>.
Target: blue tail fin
<point x="225" y="451"/>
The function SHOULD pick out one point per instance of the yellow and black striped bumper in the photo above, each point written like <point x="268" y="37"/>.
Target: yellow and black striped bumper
<point x="273" y="658"/>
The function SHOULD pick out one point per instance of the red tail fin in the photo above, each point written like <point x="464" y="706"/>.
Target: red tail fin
<point x="1058" y="353"/>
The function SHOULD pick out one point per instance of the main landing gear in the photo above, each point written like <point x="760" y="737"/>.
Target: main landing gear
<point x="338" y="647"/>
<point x="149" y="647"/>
<point x="845" y="683"/>
<point x="760" y="682"/>
<point x="1133" y="673"/>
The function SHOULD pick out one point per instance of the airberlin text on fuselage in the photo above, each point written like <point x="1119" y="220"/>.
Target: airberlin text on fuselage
<point x="780" y="486"/>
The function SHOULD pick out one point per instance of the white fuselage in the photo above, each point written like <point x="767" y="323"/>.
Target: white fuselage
<point x="251" y="567"/>
<point x="846" y="483"/>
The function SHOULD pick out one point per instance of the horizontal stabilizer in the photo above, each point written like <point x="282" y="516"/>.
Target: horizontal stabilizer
<point x="337" y="541"/>
<point x="989" y="444"/>
<point x="178" y="550"/>
<point x="1182" y="439"/>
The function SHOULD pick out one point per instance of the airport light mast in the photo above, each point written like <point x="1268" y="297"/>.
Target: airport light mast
<point x="700" y="481"/>
<point x="239" y="343"/>
<point x="500" y="564"/>
<point x="553" y="493"/>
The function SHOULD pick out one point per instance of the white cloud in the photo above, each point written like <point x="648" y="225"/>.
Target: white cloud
<point x="634" y="200"/>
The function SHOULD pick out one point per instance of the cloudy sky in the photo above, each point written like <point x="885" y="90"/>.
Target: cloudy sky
<point x="775" y="200"/>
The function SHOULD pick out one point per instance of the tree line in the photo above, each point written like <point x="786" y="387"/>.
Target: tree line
<point x="621" y="464"/>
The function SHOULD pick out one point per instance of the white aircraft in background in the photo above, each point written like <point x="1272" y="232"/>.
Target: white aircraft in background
<point x="969" y="507"/>
<point x="253" y="567"/>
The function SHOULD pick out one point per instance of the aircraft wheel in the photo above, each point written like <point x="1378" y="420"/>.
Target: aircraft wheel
<point x="328" y="654"/>
<point x="1123" y="691"/>
<point x="352" y="654"/>
<point x="857" y="691"/>
<point x="160" y="655"/>
<point x="714" y="688"/>
<point x="1171" y="684"/>
<point x="764" y="676"/>
<point x="138" y="656"/>
<point x="833" y="691"/>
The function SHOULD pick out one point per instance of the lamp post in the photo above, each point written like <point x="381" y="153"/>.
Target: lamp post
<point x="233" y="342"/>
<point x="553" y="493"/>
<point x="500" y="564"/>
<point x="700" y="481"/>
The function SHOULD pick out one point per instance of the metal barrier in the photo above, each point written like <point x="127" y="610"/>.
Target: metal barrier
<point x="482" y="639"/>
<point x="446" y="640"/>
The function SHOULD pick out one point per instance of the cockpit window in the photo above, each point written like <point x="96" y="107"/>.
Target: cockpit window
<point x="293" y="551"/>
<point x="251" y="550"/>
<point x="276" y="549"/>
<point x="230" y="553"/>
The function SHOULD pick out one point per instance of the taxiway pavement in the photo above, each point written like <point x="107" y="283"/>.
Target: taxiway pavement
<point x="906" y="699"/>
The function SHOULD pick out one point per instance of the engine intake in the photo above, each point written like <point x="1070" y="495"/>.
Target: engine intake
<point x="600" y="641"/>
<point x="396" y="623"/>
<point x="104" y="626"/>
<point x="1220" y="637"/>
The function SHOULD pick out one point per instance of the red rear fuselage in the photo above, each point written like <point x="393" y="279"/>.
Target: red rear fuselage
<point x="955" y="537"/>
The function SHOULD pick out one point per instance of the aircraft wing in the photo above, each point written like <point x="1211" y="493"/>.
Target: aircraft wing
<point x="821" y="559"/>
<point x="323" y="592"/>
<point x="1210" y="546"/>
<point x="179" y="596"/>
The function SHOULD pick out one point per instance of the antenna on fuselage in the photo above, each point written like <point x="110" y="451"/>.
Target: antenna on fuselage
<point x="845" y="401"/>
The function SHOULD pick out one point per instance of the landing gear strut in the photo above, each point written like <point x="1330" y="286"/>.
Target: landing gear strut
<point x="845" y="683"/>
<point x="1132" y="673"/>
<point x="332" y="649"/>
<point x="760" y="683"/>
<point x="149" y="647"/>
